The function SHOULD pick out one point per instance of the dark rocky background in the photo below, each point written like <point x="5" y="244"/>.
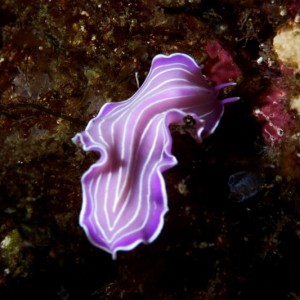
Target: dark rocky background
<point x="60" y="60"/>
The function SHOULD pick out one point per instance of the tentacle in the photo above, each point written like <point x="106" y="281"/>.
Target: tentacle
<point x="224" y="85"/>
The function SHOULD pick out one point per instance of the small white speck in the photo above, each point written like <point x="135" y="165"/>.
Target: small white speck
<point x="136" y="74"/>
<point x="41" y="48"/>
<point x="6" y="271"/>
<point x="84" y="13"/>
<point x="6" y="242"/>
<point x="282" y="12"/>
<point x="270" y="62"/>
<point x="280" y="131"/>
<point x="259" y="60"/>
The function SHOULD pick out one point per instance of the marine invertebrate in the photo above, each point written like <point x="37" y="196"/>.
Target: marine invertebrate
<point x="124" y="194"/>
<point x="244" y="185"/>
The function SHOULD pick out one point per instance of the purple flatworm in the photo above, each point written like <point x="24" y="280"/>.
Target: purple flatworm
<point x="124" y="193"/>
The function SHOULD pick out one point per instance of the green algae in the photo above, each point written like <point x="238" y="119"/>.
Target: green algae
<point x="11" y="252"/>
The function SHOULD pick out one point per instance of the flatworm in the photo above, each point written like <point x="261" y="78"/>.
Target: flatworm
<point x="124" y="193"/>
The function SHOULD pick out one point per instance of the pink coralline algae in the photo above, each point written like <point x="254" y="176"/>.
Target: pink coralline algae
<point x="273" y="114"/>
<point x="220" y="66"/>
<point x="124" y="193"/>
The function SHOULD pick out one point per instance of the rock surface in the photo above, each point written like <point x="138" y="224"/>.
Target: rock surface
<point x="60" y="61"/>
